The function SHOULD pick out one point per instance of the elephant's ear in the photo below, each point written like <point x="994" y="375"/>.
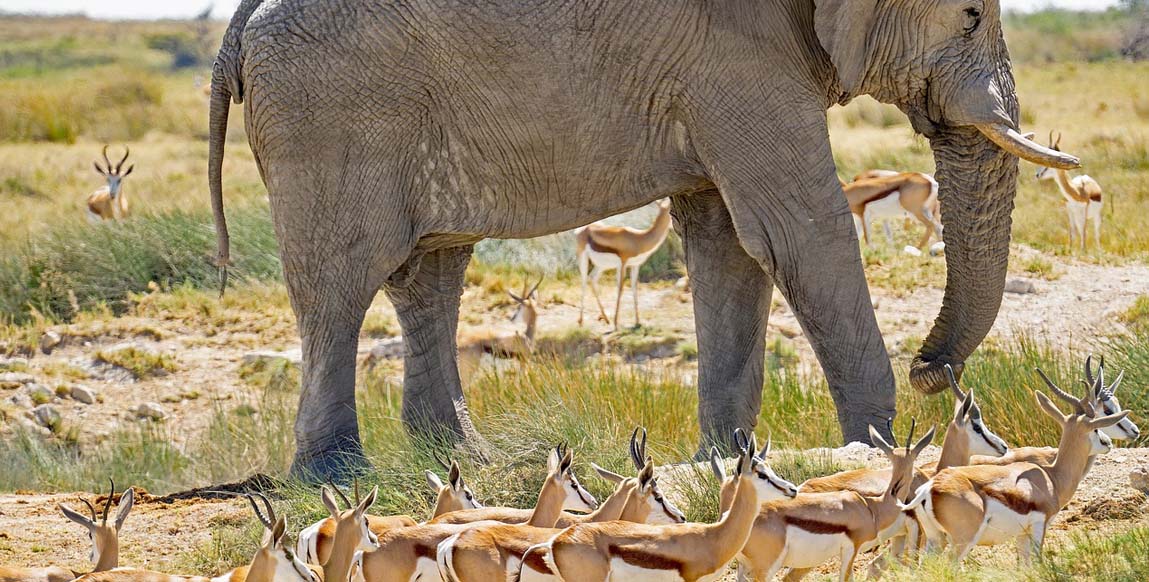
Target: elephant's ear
<point x="844" y="28"/>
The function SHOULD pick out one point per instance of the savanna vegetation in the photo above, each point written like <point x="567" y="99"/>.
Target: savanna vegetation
<point x="71" y="85"/>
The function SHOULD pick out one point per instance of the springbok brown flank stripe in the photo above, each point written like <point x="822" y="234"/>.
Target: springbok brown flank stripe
<point x="816" y="527"/>
<point x="1015" y="501"/>
<point x="645" y="560"/>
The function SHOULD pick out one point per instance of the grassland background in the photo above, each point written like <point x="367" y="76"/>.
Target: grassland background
<point x="71" y="85"/>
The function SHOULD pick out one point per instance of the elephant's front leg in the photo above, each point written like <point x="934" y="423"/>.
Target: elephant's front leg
<point x="428" y="310"/>
<point x="731" y="303"/>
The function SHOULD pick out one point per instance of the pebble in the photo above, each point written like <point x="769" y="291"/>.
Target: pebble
<point x="49" y="341"/>
<point x="1020" y="287"/>
<point x="151" y="411"/>
<point x="83" y="394"/>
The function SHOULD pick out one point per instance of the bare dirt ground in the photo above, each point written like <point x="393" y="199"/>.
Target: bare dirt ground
<point x="1084" y="298"/>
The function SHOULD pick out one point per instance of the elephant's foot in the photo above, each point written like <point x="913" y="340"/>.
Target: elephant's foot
<point x="336" y="460"/>
<point x="856" y="424"/>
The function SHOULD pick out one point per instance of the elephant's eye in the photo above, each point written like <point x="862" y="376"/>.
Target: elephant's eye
<point x="972" y="19"/>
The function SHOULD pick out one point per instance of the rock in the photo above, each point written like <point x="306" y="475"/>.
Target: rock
<point x="47" y="416"/>
<point x="293" y="356"/>
<point x="1020" y="287"/>
<point x="912" y="251"/>
<point x="40" y="394"/>
<point x="683" y="284"/>
<point x="1139" y="479"/>
<point x="82" y="394"/>
<point x="13" y="363"/>
<point x="388" y="349"/>
<point x="16" y="378"/>
<point x="151" y="411"/>
<point x="21" y="400"/>
<point x="937" y="249"/>
<point x="49" y="341"/>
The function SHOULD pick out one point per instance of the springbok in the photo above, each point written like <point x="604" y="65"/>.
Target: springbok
<point x="500" y="344"/>
<point x="960" y="503"/>
<point x="105" y="541"/>
<point x="895" y="196"/>
<point x="630" y="551"/>
<point x="316" y="541"/>
<point x="495" y="552"/>
<point x="110" y="202"/>
<point x="409" y="553"/>
<point x="617" y="247"/>
<point x="813" y="528"/>
<point x="1101" y="397"/>
<point x="1082" y="199"/>
<point x="272" y="562"/>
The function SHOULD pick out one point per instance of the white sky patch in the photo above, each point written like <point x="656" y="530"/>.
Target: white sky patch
<point x="151" y="9"/>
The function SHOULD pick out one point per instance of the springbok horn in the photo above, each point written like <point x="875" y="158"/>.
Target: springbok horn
<point x="1089" y="370"/>
<point x="954" y="383"/>
<point x="913" y="427"/>
<point x="356" y="492"/>
<point x="444" y="464"/>
<point x="533" y="289"/>
<point x="91" y="510"/>
<point x="108" y="504"/>
<point x="107" y="162"/>
<point x="339" y="492"/>
<point x="127" y="152"/>
<point x="1078" y="407"/>
<point x="1013" y="142"/>
<point x="265" y="520"/>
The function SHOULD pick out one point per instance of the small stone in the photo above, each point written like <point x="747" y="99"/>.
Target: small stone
<point x="13" y="363"/>
<point x="47" y="416"/>
<point x="294" y="356"/>
<point x="1020" y="287"/>
<point x="683" y="284"/>
<point x="151" y="411"/>
<point x="40" y="394"/>
<point x="1139" y="479"/>
<point x="83" y="394"/>
<point x="912" y="251"/>
<point x="937" y="249"/>
<point x="49" y="341"/>
<point x="16" y="378"/>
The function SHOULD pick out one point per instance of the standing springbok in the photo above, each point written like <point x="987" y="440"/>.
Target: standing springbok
<point x="886" y="197"/>
<point x="813" y="528"/>
<point x="988" y="505"/>
<point x="272" y="562"/>
<point x="409" y="553"/>
<point x="1082" y="199"/>
<point x="594" y="552"/>
<point x="105" y="539"/>
<point x="110" y="202"/>
<point x="617" y="247"/>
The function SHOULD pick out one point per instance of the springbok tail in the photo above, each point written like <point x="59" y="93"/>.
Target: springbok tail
<point x="919" y="497"/>
<point x="445" y="553"/>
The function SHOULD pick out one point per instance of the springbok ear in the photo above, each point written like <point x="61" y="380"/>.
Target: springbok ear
<point x="1049" y="408"/>
<point x="76" y="517"/>
<point x="716" y="465"/>
<point x="277" y="532"/>
<point x="329" y="502"/>
<point x="965" y="407"/>
<point x="553" y="460"/>
<point x="127" y="500"/>
<point x="924" y="442"/>
<point x="607" y="474"/>
<point x="1108" y="421"/>
<point x="99" y="170"/>
<point x="879" y="442"/>
<point x="368" y="501"/>
<point x="565" y="464"/>
<point x="455" y="476"/>
<point x="646" y="476"/>
<point x="433" y="481"/>
<point x="129" y="170"/>
<point x="844" y="28"/>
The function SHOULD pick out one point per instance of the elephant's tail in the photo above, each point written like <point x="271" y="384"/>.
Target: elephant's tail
<point x="226" y="84"/>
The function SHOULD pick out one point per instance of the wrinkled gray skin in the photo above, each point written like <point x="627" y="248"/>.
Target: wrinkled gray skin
<point x="393" y="135"/>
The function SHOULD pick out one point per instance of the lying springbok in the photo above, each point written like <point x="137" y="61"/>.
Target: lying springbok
<point x="105" y="541"/>
<point x="813" y="528"/>
<point x="497" y="551"/>
<point x="273" y="561"/>
<point x="1101" y="397"/>
<point x="959" y="503"/>
<point x="629" y="551"/>
<point x="410" y="553"/>
<point x="110" y="202"/>
<point x="1083" y="200"/>
<point x="617" y="247"/>
<point x="315" y="542"/>
<point x="885" y="197"/>
<point x="501" y="344"/>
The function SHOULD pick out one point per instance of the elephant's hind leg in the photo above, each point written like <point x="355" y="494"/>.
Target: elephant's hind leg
<point x="428" y="310"/>
<point x="731" y="296"/>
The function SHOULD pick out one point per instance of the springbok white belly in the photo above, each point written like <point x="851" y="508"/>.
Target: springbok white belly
<point x="603" y="261"/>
<point x="811" y="550"/>
<point x="889" y="206"/>
<point x="620" y="571"/>
<point x="426" y="570"/>
<point x="1003" y="525"/>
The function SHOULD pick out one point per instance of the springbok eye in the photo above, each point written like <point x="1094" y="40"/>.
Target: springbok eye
<point x="972" y="20"/>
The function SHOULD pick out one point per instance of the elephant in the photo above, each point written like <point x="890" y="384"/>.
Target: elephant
<point x="392" y="135"/>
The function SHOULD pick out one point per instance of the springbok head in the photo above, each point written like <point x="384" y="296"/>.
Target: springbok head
<point x="114" y="173"/>
<point x="967" y="421"/>
<point x="105" y="537"/>
<point x="1103" y="398"/>
<point x="1044" y="173"/>
<point x="526" y="311"/>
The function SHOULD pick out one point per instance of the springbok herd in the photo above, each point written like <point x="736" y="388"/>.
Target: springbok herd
<point x="978" y="493"/>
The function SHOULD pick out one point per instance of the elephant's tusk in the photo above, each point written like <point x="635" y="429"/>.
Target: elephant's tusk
<point x="1009" y="140"/>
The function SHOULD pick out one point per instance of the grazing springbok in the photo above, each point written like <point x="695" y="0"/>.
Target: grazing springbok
<point x="105" y="541"/>
<point x="495" y="552"/>
<point x="811" y="529"/>
<point x="315" y="542"/>
<point x="1082" y="199"/>
<point x="597" y="552"/>
<point x="500" y="344"/>
<point x="617" y="247"/>
<point x="409" y="553"/>
<point x="988" y="504"/>
<point x="273" y="561"/>
<point x="894" y="196"/>
<point x="110" y="202"/>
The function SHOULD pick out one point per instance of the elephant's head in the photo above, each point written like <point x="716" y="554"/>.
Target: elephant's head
<point x="945" y="64"/>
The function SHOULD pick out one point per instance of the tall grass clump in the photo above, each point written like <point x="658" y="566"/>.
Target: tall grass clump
<point x="71" y="267"/>
<point x="1092" y="556"/>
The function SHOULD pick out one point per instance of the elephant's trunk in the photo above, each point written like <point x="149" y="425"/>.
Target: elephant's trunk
<point x="978" y="182"/>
